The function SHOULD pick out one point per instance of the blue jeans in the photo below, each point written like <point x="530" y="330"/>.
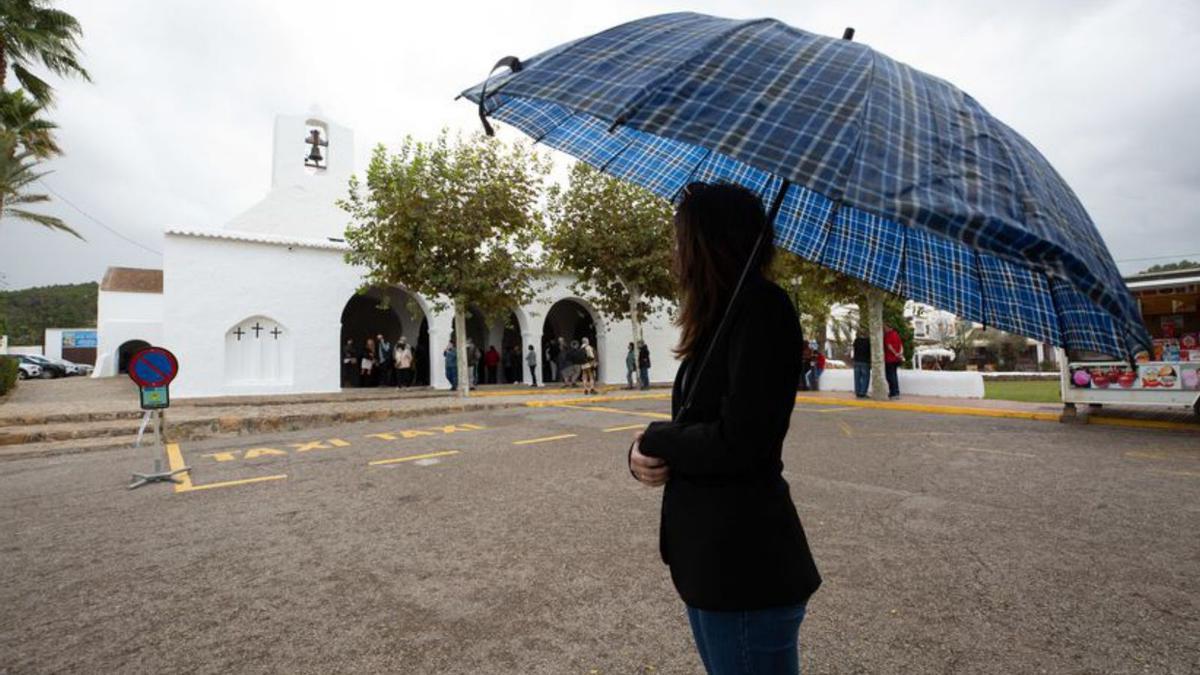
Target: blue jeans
<point x="764" y="641"/>
<point x="644" y="376"/>
<point x="814" y="378"/>
<point x="862" y="378"/>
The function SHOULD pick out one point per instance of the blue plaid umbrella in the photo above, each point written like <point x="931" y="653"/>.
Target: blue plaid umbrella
<point x="876" y="169"/>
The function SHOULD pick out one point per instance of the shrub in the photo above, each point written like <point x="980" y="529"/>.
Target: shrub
<point x="8" y="374"/>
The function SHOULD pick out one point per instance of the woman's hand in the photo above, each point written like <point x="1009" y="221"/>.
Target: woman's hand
<point x="649" y="471"/>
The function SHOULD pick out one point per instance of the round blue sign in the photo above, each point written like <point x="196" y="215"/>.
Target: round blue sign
<point x="153" y="367"/>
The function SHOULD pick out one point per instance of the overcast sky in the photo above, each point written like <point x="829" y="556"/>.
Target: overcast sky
<point x="176" y="127"/>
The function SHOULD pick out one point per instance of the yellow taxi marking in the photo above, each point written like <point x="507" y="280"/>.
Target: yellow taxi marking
<point x="332" y="443"/>
<point x="1000" y="452"/>
<point x="410" y="458"/>
<point x="600" y="408"/>
<point x="627" y="427"/>
<point x="543" y="440"/>
<point x="845" y="429"/>
<point x="175" y="462"/>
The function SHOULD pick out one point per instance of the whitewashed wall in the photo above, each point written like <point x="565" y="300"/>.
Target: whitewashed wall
<point x="121" y="317"/>
<point x="950" y="384"/>
<point x="209" y="285"/>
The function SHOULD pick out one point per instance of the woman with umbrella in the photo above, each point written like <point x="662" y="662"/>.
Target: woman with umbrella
<point x="730" y="532"/>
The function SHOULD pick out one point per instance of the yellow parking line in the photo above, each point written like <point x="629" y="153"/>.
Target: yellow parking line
<point x="935" y="409"/>
<point x="1193" y="474"/>
<point x="543" y="440"/>
<point x="600" y="408"/>
<point x="175" y="462"/>
<point x="410" y="458"/>
<point x="627" y="427"/>
<point x="829" y="410"/>
<point x="229" y="483"/>
<point x="600" y="399"/>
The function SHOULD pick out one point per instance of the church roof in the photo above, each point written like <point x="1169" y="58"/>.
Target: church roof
<point x="132" y="280"/>
<point x="278" y="240"/>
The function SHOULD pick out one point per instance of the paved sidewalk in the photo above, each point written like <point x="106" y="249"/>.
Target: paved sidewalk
<point x="1130" y="416"/>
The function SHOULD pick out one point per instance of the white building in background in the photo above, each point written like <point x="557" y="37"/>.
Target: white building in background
<point x="264" y="304"/>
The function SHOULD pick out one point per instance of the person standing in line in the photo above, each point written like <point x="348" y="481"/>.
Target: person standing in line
<point x="367" y="365"/>
<point x="506" y="364"/>
<point x="384" y="361"/>
<point x="349" y="361"/>
<point x="805" y="365"/>
<point x="450" y="355"/>
<point x="729" y="530"/>
<point x="815" y="368"/>
<point x="404" y="364"/>
<point x="631" y="365"/>
<point x="472" y="364"/>
<point x="491" y="360"/>
<point x="644" y="365"/>
<point x="862" y="363"/>
<point x="893" y="354"/>
<point x="531" y="359"/>
<point x="588" y="367"/>
<point x="553" y="350"/>
<point x="561" y="359"/>
<point x="575" y="358"/>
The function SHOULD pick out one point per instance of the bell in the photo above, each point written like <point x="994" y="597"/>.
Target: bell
<point x="314" y="156"/>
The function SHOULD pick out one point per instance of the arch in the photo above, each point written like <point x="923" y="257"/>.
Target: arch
<point x="390" y="312"/>
<point x="258" y="350"/>
<point x="572" y="318"/>
<point x="126" y="352"/>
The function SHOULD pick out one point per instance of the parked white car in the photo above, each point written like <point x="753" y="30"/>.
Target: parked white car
<point x="28" y="370"/>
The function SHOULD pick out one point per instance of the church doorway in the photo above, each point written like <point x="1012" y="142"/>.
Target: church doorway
<point x="377" y="312"/>
<point x="572" y="321"/>
<point x="126" y="352"/>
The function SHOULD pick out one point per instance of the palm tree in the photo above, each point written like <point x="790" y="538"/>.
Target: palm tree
<point x="19" y="117"/>
<point x="32" y="31"/>
<point x="16" y="175"/>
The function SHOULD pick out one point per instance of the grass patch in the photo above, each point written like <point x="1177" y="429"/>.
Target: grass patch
<point x="1029" y="391"/>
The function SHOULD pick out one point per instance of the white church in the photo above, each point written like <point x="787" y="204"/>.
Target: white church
<point x="264" y="304"/>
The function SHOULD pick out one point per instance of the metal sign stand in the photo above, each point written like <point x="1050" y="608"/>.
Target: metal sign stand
<point x="158" y="475"/>
<point x="153" y="369"/>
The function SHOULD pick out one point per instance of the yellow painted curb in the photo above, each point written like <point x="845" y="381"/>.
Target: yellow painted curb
<point x="934" y="409"/>
<point x="598" y="399"/>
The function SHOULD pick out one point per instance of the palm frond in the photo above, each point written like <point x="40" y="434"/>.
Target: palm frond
<point x="42" y="219"/>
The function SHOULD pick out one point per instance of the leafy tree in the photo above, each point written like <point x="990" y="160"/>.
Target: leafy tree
<point x="814" y="290"/>
<point x="16" y="175"/>
<point x="33" y="31"/>
<point x="454" y="220"/>
<point x="1172" y="267"/>
<point x="616" y="237"/>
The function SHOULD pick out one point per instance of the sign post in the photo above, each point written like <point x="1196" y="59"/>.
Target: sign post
<point x="153" y="369"/>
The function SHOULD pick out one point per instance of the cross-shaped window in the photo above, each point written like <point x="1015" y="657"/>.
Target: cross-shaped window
<point x="239" y="333"/>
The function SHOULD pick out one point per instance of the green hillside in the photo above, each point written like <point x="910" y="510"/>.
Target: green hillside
<point x="27" y="313"/>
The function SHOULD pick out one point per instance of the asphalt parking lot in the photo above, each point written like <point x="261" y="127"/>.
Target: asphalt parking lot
<point x="514" y="541"/>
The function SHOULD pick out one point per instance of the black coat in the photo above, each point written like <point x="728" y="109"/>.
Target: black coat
<point x="729" y="529"/>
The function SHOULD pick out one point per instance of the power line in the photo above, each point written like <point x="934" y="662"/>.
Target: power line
<point x="96" y="220"/>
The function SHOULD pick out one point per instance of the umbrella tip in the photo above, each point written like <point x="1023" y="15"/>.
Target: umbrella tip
<point x="848" y="34"/>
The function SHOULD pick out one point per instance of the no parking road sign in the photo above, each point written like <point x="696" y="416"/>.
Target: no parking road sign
<point x="153" y="367"/>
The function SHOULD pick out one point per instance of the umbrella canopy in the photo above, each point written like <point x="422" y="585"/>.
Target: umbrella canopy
<point x="878" y="170"/>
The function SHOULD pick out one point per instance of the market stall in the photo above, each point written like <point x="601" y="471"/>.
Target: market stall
<point x="1170" y="375"/>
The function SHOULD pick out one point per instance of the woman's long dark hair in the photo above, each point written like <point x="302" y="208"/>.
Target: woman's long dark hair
<point x="716" y="226"/>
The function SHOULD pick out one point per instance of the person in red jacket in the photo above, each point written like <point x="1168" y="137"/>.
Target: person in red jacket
<point x="893" y="354"/>
<point x="491" y="359"/>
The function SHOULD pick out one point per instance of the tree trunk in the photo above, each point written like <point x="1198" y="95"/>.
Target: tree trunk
<point x="879" y="389"/>
<point x="635" y="298"/>
<point x="460" y="331"/>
